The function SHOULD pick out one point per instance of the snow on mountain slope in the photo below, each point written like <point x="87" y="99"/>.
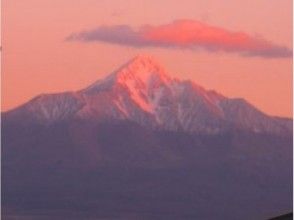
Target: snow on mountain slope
<point x="143" y="92"/>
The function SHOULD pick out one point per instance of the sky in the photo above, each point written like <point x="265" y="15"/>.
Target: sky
<point x="236" y="47"/>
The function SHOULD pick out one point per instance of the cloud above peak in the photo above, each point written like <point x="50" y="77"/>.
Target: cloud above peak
<point x="185" y="34"/>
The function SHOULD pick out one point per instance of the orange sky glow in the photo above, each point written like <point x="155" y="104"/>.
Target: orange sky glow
<point x="244" y="49"/>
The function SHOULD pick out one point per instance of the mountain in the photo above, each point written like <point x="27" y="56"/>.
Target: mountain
<point x="141" y="91"/>
<point x="140" y="144"/>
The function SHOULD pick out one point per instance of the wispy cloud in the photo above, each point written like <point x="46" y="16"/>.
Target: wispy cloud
<point x="185" y="34"/>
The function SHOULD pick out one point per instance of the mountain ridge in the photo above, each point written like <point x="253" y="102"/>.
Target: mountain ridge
<point x="142" y="91"/>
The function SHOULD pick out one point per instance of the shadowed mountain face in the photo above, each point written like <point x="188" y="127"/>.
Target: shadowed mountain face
<point x="142" y="145"/>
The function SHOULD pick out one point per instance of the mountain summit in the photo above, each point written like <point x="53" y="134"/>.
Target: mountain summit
<point x="141" y="70"/>
<point x="142" y="91"/>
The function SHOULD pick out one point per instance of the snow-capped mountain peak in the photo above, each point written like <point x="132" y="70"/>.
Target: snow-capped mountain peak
<point x="143" y="92"/>
<point x="142" y="78"/>
<point x="142" y="67"/>
<point x="141" y="72"/>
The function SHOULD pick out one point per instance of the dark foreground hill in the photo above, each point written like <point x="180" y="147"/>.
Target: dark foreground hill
<point x="284" y="217"/>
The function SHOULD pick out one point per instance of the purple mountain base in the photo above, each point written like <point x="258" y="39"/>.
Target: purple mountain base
<point x="142" y="145"/>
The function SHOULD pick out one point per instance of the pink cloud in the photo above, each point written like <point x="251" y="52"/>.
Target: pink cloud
<point x="185" y="34"/>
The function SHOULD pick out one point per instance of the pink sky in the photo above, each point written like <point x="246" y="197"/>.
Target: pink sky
<point x="37" y="59"/>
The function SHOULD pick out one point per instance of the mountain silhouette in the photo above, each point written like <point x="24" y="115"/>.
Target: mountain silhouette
<point x="140" y="144"/>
